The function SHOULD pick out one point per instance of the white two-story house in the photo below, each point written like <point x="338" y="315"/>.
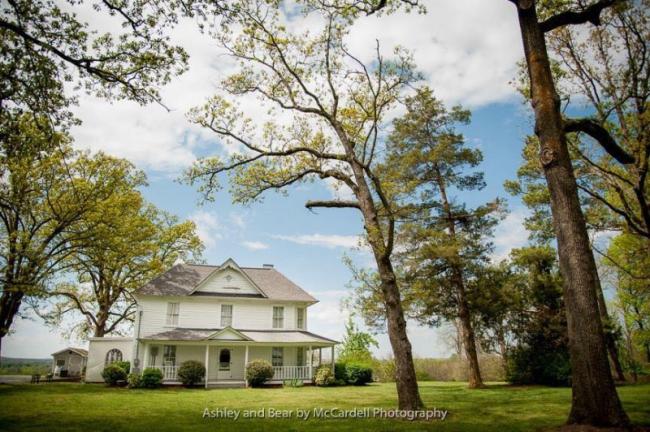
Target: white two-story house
<point x="223" y="316"/>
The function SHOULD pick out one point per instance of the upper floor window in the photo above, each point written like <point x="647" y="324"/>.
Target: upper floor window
<point x="113" y="356"/>
<point x="300" y="318"/>
<point x="226" y="315"/>
<point x="278" y="317"/>
<point x="172" y="313"/>
<point x="277" y="356"/>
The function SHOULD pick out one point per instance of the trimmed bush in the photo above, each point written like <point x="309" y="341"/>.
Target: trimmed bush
<point x="191" y="372"/>
<point x="529" y="366"/>
<point x="324" y="376"/>
<point x="340" y="373"/>
<point x="112" y="374"/>
<point x="358" y="374"/>
<point x="151" y="378"/>
<point x="124" y="365"/>
<point x="134" y="381"/>
<point x="258" y="372"/>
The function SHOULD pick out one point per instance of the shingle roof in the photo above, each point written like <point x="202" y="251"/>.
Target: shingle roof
<point x="82" y="352"/>
<point x="265" y="336"/>
<point x="181" y="280"/>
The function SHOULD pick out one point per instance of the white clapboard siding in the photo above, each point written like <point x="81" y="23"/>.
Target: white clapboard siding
<point x="205" y="313"/>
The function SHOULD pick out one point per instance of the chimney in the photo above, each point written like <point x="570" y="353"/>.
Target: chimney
<point x="267" y="266"/>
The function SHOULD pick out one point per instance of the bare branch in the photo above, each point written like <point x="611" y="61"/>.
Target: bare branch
<point x="601" y="135"/>
<point x="589" y="14"/>
<point x="332" y="204"/>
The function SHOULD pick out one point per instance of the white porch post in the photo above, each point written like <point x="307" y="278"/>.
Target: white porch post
<point x="207" y="364"/>
<point x="333" y="369"/>
<point x="320" y="356"/>
<point x="145" y="356"/>
<point x="245" y="363"/>
<point x="311" y="363"/>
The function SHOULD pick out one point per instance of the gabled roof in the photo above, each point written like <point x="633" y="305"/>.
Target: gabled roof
<point x="262" y="336"/>
<point x="82" y="352"/>
<point x="183" y="279"/>
<point x="225" y="331"/>
<point x="230" y="263"/>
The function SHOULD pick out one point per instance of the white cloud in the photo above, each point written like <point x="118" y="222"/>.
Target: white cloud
<point x="327" y="240"/>
<point x="207" y="227"/>
<point x="510" y="234"/>
<point x="255" y="245"/>
<point x="237" y="220"/>
<point x="467" y="49"/>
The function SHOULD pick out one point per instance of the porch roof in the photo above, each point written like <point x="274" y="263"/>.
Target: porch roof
<point x="252" y="336"/>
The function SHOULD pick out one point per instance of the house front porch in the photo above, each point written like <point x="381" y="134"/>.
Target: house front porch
<point x="295" y="356"/>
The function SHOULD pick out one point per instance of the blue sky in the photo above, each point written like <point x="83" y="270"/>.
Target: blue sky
<point x="473" y="69"/>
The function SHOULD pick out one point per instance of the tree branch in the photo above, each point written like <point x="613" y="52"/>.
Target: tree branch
<point x="332" y="204"/>
<point x="589" y="14"/>
<point x="601" y="135"/>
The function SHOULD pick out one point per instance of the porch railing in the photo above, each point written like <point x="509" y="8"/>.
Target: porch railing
<point x="170" y="373"/>
<point x="290" y="372"/>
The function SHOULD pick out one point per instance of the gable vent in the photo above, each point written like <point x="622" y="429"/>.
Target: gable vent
<point x="269" y="266"/>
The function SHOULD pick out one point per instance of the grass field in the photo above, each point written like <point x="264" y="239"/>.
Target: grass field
<point x="71" y="406"/>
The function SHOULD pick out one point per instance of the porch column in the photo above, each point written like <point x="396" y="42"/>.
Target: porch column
<point x="245" y="363"/>
<point x="320" y="356"/>
<point x="333" y="369"/>
<point x="311" y="363"/>
<point x="207" y="364"/>
<point x="145" y="356"/>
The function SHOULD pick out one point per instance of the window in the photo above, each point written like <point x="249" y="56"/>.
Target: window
<point x="278" y="354"/>
<point x="226" y="315"/>
<point x="224" y="360"/>
<point x="172" y="313"/>
<point x="278" y="317"/>
<point x="113" y="356"/>
<point x="169" y="355"/>
<point x="300" y="318"/>
<point x="60" y="362"/>
<point x="300" y="357"/>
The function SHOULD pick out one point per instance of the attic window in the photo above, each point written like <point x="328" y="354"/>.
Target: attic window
<point x="228" y="278"/>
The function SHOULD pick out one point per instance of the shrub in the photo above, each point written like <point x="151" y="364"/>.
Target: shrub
<point x="124" y="365"/>
<point x="151" y="378"/>
<point x="358" y="374"/>
<point x="112" y="374"/>
<point x="134" y="381"/>
<point x="530" y="366"/>
<point x="295" y="382"/>
<point x="340" y="372"/>
<point x="324" y="376"/>
<point x="191" y="372"/>
<point x="258" y="372"/>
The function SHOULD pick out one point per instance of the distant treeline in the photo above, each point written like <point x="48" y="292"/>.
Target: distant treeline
<point x="453" y="368"/>
<point x="22" y="366"/>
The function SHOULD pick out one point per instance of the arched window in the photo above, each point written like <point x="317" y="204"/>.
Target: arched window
<point x="224" y="360"/>
<point x="113" y="356"/>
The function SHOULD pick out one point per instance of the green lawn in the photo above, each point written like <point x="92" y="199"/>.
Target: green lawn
<point x="71" y="406"/>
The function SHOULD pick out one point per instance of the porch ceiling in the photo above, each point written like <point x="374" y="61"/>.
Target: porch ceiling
<point x="250" y="336"/>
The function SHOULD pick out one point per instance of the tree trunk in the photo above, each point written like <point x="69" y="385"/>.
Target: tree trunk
<point x="408" y="394"/>
<point x="10" y="302"/>
<point x="503" y="349"/>
<point x="469" y="341"/>
<point x="595" y="401"/>
<point x="406" y="381"/>
<point x="609" y="337"/>
<point x="464" y="316"/>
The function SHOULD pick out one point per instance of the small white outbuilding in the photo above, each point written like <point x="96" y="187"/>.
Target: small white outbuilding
<point x="69" y="362"/>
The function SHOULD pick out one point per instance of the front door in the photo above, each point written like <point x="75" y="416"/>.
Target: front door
<point x="224" y="370"/>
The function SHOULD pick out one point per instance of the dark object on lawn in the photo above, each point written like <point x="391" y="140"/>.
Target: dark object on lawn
<point x="36" y="378"/>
